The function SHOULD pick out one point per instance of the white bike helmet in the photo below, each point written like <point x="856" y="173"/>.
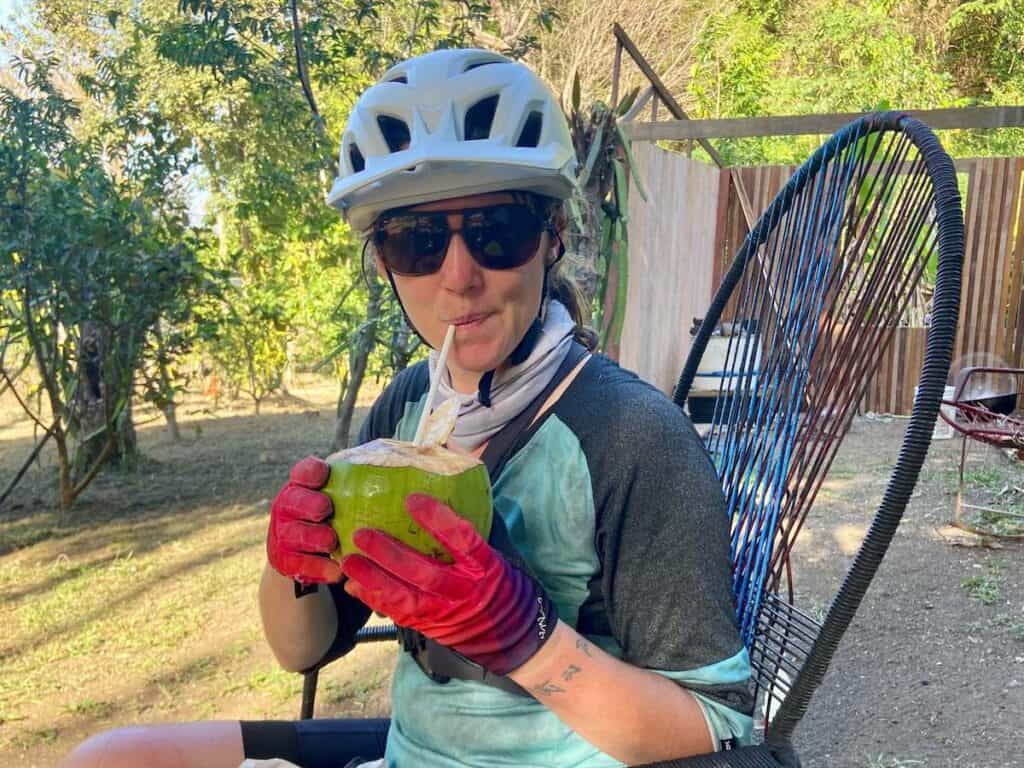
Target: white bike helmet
<point x="447" y="124"/>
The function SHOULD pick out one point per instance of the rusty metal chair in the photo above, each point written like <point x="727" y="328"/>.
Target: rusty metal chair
<point x="984" y="409"/>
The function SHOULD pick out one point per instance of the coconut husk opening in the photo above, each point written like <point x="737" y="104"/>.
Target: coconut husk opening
<point x="435" y="459"/>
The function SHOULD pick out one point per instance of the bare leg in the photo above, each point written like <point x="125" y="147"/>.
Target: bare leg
<point x="186" y="745"/>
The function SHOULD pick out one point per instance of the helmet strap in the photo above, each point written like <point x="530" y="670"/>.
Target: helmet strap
<point x="408" y="320"/>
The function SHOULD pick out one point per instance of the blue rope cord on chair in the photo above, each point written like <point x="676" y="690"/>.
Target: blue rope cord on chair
<point x="756" y="497"/>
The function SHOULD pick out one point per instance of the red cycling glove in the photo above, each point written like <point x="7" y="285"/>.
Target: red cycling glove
<point x="481" y="606"/>
<point x="300" y="538"/>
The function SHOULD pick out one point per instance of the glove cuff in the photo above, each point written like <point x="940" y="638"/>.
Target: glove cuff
<point x="536" y="623"/>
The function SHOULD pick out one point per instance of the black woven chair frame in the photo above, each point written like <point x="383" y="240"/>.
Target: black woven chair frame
<point x="787" y="639"/>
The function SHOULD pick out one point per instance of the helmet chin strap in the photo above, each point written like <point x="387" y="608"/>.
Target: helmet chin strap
<point x="522" y="349"/>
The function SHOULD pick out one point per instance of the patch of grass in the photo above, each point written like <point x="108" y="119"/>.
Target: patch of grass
<point x="282" y="686"/>
<point x="1015" y="624"/>
<point x="988" y="476"/>
<point x="842" y="473"/>
<point x="43" y="736"/>
<point x="95" y="710"/>
<point x="140" y="605"/>
<point x="18" y="537"/>
<point x="986" y="587"/>
<point x="982" y="587"/>
<point x="996" y="490"/>
<point x="1009" y="522"/>
<point x="356" y="692"/>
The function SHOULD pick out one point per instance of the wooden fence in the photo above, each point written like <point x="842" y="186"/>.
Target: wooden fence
<point x="678" y="257"/>
<point x="671" y="262"/>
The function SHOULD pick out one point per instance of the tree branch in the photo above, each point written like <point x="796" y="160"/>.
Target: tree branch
<point x="300" y="59"/>
<point x="307" y="90"/>
<point x="22" y="403"/>
<point x="108" y="449"/>
<point x="32" y="457"/>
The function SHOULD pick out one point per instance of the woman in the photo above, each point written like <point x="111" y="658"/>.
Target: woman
<point x="597" y="629"/>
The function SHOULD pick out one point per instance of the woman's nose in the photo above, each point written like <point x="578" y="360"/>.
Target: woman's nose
<point x="459" y="271"/>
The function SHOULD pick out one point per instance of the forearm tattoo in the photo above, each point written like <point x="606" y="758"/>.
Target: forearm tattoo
<point x="549" y="688"/>
<point x="570" y="672"/>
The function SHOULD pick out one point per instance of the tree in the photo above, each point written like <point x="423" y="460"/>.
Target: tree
<point x="87" y="271"/>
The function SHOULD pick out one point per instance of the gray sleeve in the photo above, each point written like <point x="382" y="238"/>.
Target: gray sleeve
<point x="662" y="533"/>
<point x="663" y="539"/>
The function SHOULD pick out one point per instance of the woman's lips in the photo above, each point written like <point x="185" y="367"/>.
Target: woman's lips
<point x="470" y="321"/>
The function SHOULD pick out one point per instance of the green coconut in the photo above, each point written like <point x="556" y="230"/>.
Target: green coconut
<point x="368" y="485"/>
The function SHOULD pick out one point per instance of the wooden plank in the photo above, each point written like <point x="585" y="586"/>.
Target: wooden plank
<point x="972" y="261"/>
<point x="970" y="194"/>
<point x="916" y="365"/>
<point x="897" y="353"/>
<point x="893" y="379"/>
<point x="672" y="258"/>
<point x="902" y="344"/>
<point x="1000" y="262"/>
<point x="703" y="221"/>
<point x="881" y="381"/>
<point x="1011" y="272"/>
<point x="990" y="216"/>
<point x="721" y="227"/>
<point x="1017" y="255"/>
<point x="616" y="71"/>
<point x="660" y="89"/>
<point x="990" y="258"/>
<point x="901" y="349"/>
<point x="995" y="313"/>
<point x="804" y="125"/>
<point x="912" y="368"/>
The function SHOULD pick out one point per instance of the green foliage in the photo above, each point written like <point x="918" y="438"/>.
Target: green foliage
<point x="251" y="348"/>
<point x="986" y="587"/>
<point x="92" y="257"/>
<point x="735" y="67"/>
<point x="785" y="57"/>
<point x="986" y="47"/>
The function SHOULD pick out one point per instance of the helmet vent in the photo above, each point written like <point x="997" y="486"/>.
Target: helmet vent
<point x="530" y="135"/>
<point x="355" y="157"/>
<point x="396" y="132"/>
<point x="399" y="79"/>
<point x="484" y="63"/>
<point x="479" y="118"/>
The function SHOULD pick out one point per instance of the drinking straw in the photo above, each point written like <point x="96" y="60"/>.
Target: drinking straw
<point x="442" y="360"/>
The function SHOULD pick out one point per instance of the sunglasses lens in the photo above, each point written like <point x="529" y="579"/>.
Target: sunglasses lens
<point x="502" y="237"/>
<point x="413" y="244"/>
<point x="499" y="237"/>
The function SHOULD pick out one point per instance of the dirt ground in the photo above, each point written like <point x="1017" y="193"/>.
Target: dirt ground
<point x="932" y="671"/>
<point x="140" y="605"/>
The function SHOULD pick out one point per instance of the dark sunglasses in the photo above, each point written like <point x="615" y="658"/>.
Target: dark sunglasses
<point x="498" y="237"/>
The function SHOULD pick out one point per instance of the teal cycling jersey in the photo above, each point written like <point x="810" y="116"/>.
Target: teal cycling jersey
<point x="614" y="505"/>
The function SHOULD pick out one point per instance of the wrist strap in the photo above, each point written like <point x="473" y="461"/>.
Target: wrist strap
<point x="301" y="590"/>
